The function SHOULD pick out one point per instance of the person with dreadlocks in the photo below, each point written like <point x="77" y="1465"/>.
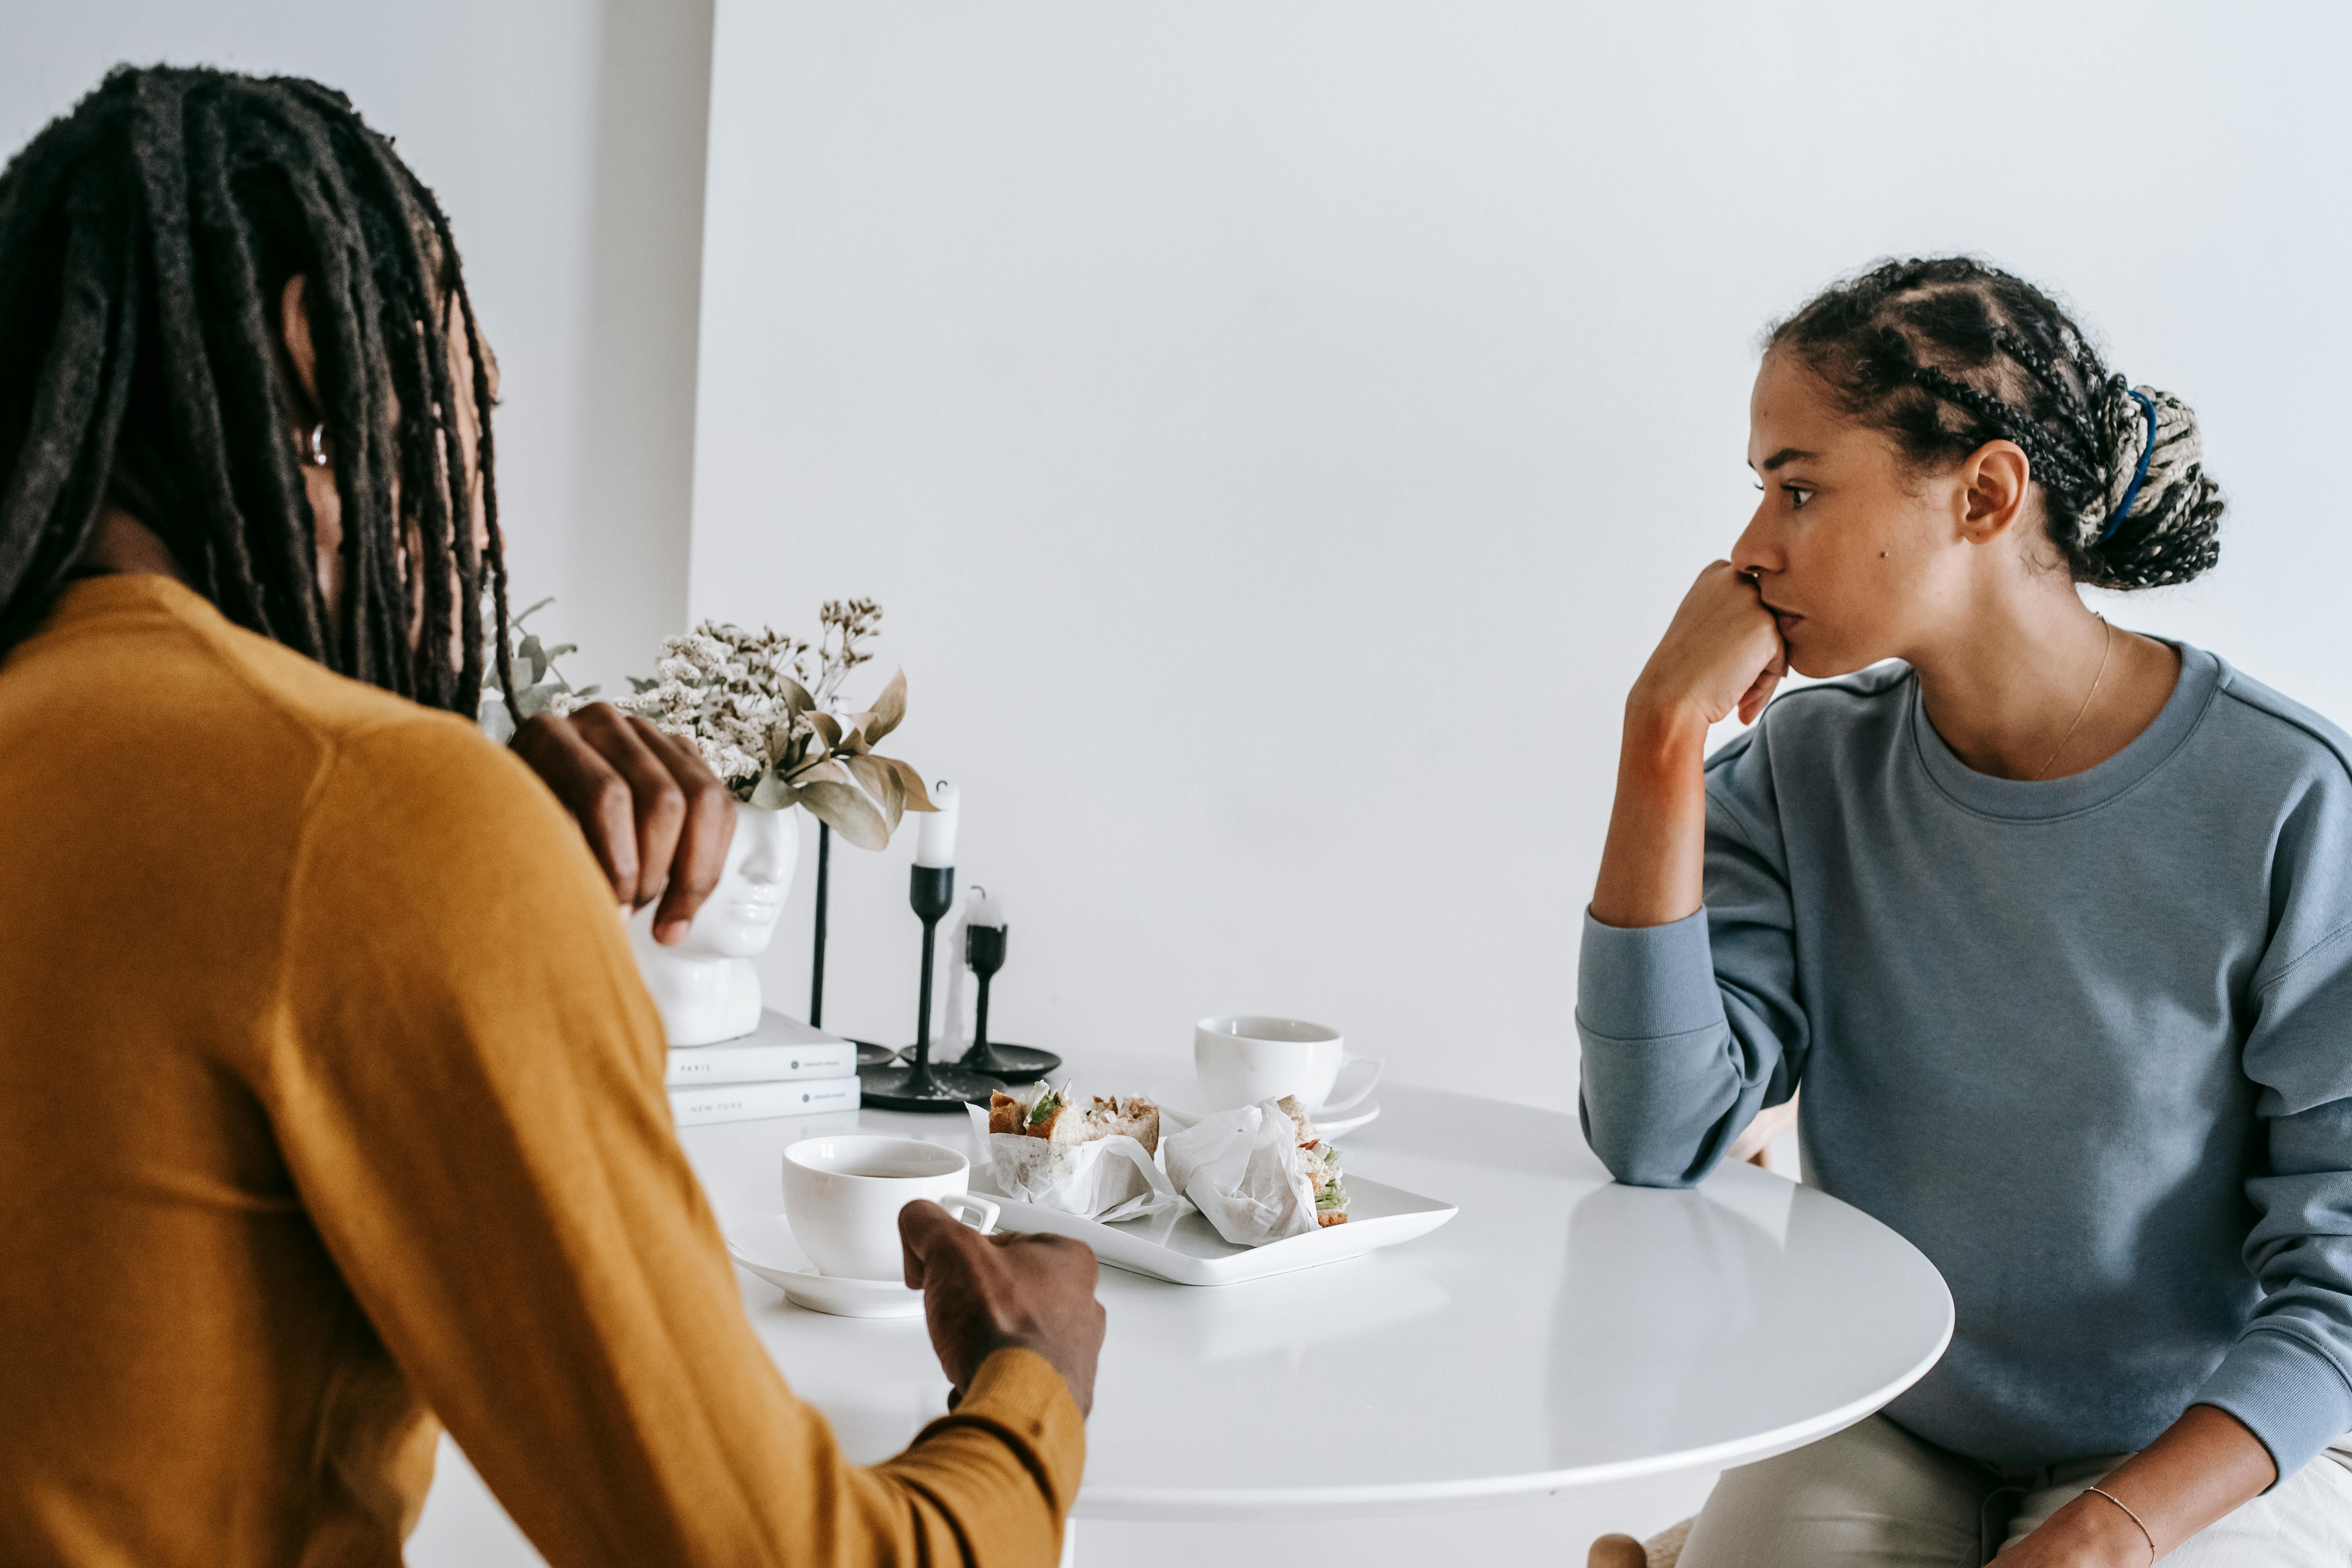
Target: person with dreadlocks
<point x="2050" y="921"/>
<point x="331" y="1106"/>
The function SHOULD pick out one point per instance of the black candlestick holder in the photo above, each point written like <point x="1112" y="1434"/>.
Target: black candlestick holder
<point x="920" y="1085"/>
<point x="983" y="950"/>
<point x="824" y="897"/>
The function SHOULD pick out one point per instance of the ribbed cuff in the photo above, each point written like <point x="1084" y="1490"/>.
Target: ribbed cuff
<point x="1647" y="983"/>
<point x="2287" y="1392"/>
<point x="1020" y="1395"/>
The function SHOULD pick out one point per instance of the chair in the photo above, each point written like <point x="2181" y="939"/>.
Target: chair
<point x="1665" y="1549"/>
<point x="1662" y="1549"/>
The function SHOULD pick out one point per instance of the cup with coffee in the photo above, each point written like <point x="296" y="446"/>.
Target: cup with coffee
<point x="1245" y="1058"/>
<point x="842" y="1197"/>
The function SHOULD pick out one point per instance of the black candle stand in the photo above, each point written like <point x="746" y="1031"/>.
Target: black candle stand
<point x="823" y="892"/>
<point x="983" y="950"/>
<point x="921" y="1085"/>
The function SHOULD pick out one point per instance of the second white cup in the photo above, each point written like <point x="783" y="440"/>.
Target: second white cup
<point x="1244" y="1059"/>
<point x="842" y="1197"/>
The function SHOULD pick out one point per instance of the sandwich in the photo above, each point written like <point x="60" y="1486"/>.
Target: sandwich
<point x="1321" y="1161"/>
<point x="1043" y="1112"/>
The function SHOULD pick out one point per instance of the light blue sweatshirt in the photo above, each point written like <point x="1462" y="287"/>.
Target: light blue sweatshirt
<point x="2087" y="1043"/>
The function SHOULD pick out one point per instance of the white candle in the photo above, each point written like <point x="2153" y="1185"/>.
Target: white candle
<point x="988" y="910"/>
<point x="935" y="831"/>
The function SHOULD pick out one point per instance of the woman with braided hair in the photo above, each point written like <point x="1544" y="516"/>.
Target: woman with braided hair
<point x="330" y="1097"/>
<point x="2053" y="923"/>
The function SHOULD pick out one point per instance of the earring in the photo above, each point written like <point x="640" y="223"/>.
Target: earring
<point x="318" y="453"/>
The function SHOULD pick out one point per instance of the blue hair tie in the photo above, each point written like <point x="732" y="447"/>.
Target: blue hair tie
<point x="2131" y="495"/>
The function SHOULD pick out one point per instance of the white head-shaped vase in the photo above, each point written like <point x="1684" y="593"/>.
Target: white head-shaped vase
<point x="705" y="987"/>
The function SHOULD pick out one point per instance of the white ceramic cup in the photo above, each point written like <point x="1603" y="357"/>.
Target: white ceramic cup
<point x="842" y="1197"/>
<point x="1242" y="1060"/>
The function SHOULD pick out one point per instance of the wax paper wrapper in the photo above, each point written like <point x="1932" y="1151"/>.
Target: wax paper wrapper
<point x="1243" y="1169"/>
<point x="1106" y="1179"/>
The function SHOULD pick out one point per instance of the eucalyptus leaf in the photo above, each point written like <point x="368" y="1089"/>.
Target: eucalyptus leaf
<point x="825" y="771"/>
<point x="890" y="708"/>
<point x="771" y="794"/>
<point x="883" y="784"/>
<point x="918" y="797"/>
<point x="828" y="727"/>
<point x="796" y="697"/>
<point x="844" y="809"/>
<point x="537" y="682"/>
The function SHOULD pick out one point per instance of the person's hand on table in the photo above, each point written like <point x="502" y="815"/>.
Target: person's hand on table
<point x="987" y="1293"/>
<point x="657" y="817"/>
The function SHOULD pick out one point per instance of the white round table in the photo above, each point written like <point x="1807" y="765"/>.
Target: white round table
<point x="1561" y="1331"/>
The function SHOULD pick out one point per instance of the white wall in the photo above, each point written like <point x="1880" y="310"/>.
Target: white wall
<point x="1278" y="431"/>
<point x="565" y="139"/>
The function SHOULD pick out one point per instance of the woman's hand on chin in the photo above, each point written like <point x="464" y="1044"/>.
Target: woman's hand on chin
<point x="657" y="817"/>
<point x="1722" y="653"/>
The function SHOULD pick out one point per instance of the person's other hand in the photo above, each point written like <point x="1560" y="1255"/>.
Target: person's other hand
<point x="1722" y="652"/>
<point x="988" y="1293"/>
<point x="2088" y="1532"/>
<point x="657" y="817"/>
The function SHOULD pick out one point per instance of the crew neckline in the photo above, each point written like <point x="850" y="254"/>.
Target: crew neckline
<point x="116" y="587"/>
<point x="108" y="592"/>
<point x="2040" y="800"/>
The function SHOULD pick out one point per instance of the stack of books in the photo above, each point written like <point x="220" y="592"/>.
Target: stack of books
<point x="783" y="1068"/>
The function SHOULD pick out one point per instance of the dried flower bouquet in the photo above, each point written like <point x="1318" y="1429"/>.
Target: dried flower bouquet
<point x="760" y="706"/>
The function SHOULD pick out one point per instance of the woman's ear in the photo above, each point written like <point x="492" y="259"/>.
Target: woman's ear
<point x="294" y="331"/>
<point x="1994" y="481"/>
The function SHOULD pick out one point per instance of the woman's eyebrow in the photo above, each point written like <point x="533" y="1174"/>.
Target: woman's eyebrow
<point x="1786" y="455"/>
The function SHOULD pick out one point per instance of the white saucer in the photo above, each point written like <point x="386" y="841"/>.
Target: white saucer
<point x="765" y="1247"/>
<point x="1183" y="1105"/>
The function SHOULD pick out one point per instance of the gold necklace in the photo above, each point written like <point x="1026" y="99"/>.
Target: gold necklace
<point x="2105" y="648"/>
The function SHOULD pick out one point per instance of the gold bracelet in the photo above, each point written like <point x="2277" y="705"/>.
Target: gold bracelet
<point x="2129" y="1515"/>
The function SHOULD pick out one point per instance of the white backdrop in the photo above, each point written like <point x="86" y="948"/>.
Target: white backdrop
<point x="1280" y="430"/>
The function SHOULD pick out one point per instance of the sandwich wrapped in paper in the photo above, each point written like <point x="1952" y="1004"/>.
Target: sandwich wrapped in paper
<point x="1090" y="1157"/>
<point x="1259" y="1173"/>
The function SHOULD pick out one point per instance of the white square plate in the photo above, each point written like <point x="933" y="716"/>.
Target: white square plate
<point x="1185" y="1248"/>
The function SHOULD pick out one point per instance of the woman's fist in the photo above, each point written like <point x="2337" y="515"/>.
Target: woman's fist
<point x="1722" y="653"/>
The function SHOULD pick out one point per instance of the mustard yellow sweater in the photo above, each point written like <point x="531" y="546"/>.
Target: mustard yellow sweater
<point x="331" y="1104"/>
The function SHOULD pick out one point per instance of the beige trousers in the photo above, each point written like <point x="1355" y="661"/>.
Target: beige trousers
<point x="1875" y="1496"/>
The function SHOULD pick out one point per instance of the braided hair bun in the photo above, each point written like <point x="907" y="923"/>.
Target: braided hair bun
<point x="2161" y="512"/>
<point x="1946" y="355"/>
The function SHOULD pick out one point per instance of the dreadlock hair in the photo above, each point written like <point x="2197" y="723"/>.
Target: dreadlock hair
<point x="1943" y="355"/>
<point x="145" y="241"/>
